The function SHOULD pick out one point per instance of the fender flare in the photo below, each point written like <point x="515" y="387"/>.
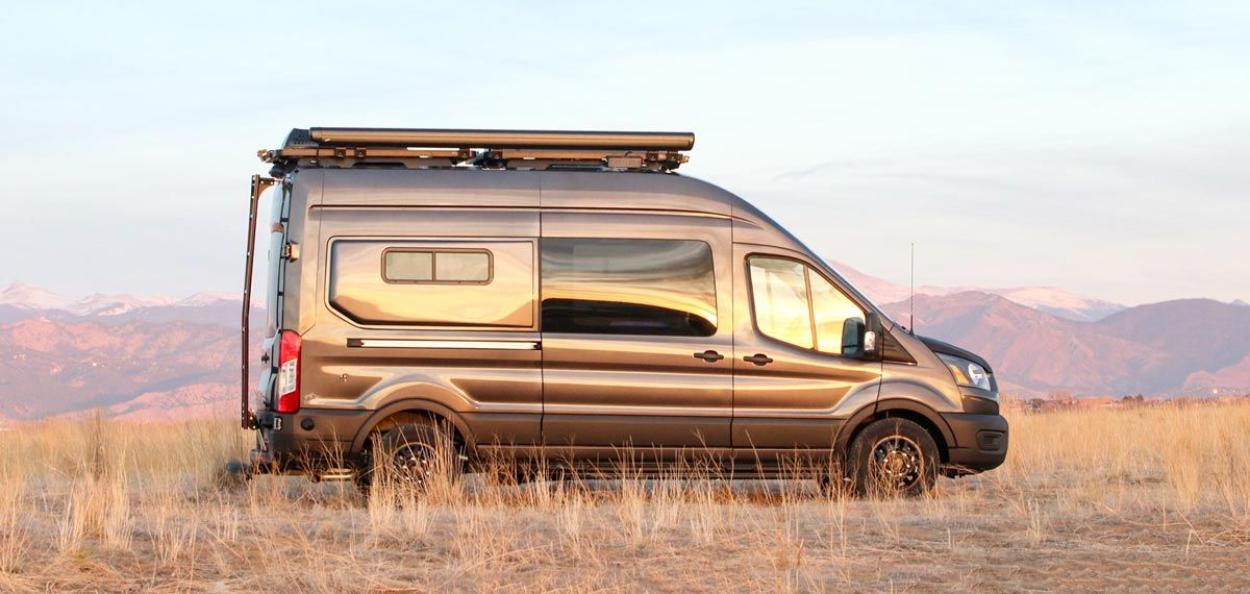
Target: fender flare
<point x="862" y="416"/>
<point x="411" y="405"/>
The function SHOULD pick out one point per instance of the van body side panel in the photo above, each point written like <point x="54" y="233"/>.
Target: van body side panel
<point x="800" y="398"/>
<point x="640" y="390"/>
<point x="632" y="191"/>
<point x="463" y="188"/>
<point x="307" y="193"/>
<point x="378" y="345"/>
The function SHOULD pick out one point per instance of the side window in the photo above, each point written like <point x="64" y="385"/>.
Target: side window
<point x="436" y="266"/>
<point x="779" y="296"/>
<point x="839" y="321"/>
<point x="795" y="304"/>
<point x="487" y="283"/>
<point x="628" y="286"/>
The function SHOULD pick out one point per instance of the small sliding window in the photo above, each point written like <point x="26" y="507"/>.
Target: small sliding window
<point x="426" y="266"/>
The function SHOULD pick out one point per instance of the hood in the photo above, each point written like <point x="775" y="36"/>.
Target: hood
<point x="947" y="348"/>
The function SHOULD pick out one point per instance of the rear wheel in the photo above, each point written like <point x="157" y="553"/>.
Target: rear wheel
<point x="409" y="458"/>
<point x="893" y="457"/>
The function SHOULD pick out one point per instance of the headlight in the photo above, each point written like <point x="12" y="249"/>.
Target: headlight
<point x="967" y="373"/>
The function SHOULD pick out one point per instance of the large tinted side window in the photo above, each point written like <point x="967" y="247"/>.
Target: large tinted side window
<point x="628" y="286"/>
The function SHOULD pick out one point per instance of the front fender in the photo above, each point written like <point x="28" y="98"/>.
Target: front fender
<point x="939" y="396"/>
<point x="882" y="408"/>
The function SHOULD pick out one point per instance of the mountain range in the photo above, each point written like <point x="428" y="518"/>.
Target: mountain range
<point x="1043" y="339"/>
<point x="143" y="357"/>
<point x="1061" y="303"/>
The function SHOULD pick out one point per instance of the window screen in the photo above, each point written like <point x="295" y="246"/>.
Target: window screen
<point x="405" y="266"/>
<point x="436" y="266"/>
<point x="628" y="286"/>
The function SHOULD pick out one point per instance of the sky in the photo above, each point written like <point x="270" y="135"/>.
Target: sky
<point x="1097" y="147"/>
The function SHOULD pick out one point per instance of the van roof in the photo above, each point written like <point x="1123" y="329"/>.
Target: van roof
<point x="429" y="148"/>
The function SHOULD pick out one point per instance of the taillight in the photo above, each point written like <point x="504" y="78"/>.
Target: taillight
<point x="288" y="372"/>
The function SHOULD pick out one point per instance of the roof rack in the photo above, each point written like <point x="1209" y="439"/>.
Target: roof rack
<point x="486" y="149"/>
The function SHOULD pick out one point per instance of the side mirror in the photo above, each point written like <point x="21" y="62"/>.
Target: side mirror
<point x="860" y="337"/>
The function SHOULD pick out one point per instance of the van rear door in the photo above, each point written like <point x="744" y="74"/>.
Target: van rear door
<point x="279" y="215"/>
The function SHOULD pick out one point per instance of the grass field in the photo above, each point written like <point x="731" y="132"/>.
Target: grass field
<point x="1088" y="500"/>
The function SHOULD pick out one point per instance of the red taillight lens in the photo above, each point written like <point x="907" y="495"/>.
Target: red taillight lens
<point x="288" y="372"/>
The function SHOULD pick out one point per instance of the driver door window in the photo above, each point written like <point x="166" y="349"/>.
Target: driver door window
<point x="795" y="304"/>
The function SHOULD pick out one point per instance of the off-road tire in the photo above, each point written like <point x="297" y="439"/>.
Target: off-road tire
<point x="413" y="451"/>
<point x="892" y="457"/>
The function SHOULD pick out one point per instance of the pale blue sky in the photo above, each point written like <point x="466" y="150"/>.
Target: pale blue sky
<point x="1102" y="149"/>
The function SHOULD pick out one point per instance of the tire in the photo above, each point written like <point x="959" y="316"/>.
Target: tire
<point x="409" y="457"/>
<point x="833" y="483"/>
<point x="893" y="457"/>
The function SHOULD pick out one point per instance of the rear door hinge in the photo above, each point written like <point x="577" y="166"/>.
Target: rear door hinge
<point x="290" y="251"/>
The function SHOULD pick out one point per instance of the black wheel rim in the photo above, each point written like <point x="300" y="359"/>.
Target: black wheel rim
<point x="412" y="463"/>
<point x="897" y="462"/>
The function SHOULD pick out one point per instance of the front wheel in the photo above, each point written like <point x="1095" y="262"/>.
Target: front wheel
<point x="893" y="457"/>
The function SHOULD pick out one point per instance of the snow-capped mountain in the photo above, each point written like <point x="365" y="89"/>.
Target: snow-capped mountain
<point x="100" y="304"/>
<point x="207" y="298"/>
<point x="31" y="297"/>
<point x="1061" y="303"/>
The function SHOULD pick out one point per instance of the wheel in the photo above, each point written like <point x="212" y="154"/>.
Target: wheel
<point x="893" y="457"/>
<point x="410" y="457"/>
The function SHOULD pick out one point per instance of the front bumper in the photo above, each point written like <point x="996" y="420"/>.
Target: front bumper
<point x="980" y="442"/>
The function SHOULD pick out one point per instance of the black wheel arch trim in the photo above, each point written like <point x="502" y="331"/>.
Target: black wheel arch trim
<point x="411" y="405"/>
<point x="862" y="416"/>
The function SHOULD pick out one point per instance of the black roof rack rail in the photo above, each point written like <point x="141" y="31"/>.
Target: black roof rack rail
<point x="423" y="148"/>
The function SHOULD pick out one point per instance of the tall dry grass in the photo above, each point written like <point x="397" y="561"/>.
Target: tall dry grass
<point x="110" y="506"/>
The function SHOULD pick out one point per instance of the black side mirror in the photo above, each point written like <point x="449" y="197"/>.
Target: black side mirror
<point x="860" y="337"/>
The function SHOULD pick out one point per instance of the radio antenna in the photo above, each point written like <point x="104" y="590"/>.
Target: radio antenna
<point x="911" y="299"/>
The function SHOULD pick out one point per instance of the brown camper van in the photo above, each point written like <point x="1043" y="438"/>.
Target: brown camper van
<point x="564" y="297"/>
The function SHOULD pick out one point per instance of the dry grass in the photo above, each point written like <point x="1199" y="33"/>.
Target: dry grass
<point x="1088" y="500"/>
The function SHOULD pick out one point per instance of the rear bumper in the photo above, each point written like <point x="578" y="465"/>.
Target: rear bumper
<point x="310" y="440"/>
<point x="980" y="442"/>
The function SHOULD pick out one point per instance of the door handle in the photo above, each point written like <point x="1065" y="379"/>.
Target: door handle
<point x="759" y="359"/>
<point x="709" y="355"/>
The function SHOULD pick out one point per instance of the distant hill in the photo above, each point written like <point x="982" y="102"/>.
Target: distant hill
<point x="1174" y="347"/>
<point x="137" y="357"/>
<point x="164" y="358"/>
<point x="1064" y="304"/>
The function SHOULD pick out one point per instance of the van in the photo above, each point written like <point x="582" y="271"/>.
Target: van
<point x="562" y="298"/>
